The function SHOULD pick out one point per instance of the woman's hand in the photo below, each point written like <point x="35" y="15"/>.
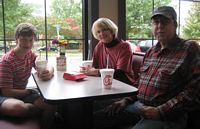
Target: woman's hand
<point x="89" y="71"/>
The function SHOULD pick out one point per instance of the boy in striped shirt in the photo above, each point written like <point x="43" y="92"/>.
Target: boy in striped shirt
<point x="15" y="70"/>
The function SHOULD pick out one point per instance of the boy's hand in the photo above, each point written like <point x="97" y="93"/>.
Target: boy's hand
<point x="46" y="74"/>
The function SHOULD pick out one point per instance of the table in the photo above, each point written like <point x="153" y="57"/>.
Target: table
<point x="58" y="91"/>
<point x="31" y="83"/>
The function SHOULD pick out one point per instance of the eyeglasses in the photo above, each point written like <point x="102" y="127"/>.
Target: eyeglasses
<point x="163" y="21"/>
<point x="102" y="30"/>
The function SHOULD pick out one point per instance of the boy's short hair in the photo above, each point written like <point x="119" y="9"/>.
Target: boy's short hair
<point x="25" y="29"/>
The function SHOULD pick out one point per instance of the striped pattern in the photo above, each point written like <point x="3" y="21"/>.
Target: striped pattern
<point x="14" y="71"/>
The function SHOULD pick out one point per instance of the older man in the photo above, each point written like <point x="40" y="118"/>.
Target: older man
<point x="169" y="82"/>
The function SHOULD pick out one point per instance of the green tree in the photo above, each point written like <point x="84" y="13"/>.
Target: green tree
<point x="15" y="12"/>
<point x="68" y="14"/>
<point x="138" y="13"/>
<point x="191" y="28"/>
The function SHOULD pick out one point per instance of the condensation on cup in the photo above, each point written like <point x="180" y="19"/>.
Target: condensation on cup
<point x="107" y="78"/>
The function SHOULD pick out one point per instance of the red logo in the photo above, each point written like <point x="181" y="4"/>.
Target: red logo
<point x="107" y="80"/>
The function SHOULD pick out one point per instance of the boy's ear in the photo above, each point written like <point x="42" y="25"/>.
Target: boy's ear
<point x="175" y="23"/>
<point x="16" y="41"/>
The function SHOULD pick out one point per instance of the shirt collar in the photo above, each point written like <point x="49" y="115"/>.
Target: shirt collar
<point x="112" y="43"/>
<point x="172" y="44"/>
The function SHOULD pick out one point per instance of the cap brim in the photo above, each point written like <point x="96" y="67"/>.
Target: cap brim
<point x="161" y="14"/>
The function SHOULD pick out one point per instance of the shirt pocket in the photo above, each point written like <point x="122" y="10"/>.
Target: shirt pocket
<point x="164" y="79"/>
<point x="144" y="72"/>
<point x="144" y="68"/>
<point x="165" y="74"/>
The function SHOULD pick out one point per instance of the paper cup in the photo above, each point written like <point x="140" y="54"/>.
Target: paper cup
<point x="41" y="65"/>
<point x="87" y="63"/>
<point x="107" y="78"/>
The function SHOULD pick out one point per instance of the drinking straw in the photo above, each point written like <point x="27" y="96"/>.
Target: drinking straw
<point x="107" y="61"/>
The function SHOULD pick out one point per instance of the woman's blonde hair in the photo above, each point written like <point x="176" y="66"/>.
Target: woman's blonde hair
<point x="104" y="23"/>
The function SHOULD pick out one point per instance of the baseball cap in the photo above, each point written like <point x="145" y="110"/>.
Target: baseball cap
<point x="166" y="11"/>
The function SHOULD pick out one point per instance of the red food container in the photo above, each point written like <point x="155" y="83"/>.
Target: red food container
<point x="74" y="76"/>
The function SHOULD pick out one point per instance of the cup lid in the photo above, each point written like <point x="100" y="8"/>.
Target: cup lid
<point x="107" y="69"/>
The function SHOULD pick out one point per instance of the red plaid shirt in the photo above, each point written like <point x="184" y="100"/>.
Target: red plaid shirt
<point x="170" y="77"/>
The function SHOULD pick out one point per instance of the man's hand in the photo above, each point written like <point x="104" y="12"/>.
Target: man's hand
<point x="116" y="107"/>
<point x="149" y="112"/>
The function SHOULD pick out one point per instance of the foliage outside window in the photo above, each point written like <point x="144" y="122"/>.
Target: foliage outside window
<point x="138" y="15"/>
<point x="68" y="15"/>
<point x="65" y="13"/>
<point x="191" y="28"/>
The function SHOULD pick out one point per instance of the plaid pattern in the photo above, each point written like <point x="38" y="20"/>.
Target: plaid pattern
<point x="170" y="77"/>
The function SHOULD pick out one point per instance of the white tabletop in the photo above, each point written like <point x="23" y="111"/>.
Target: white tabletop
<point x="59" y="89"/>
<point x="31" y="83"/>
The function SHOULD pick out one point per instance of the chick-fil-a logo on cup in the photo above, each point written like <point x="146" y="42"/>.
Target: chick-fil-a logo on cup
<point x="107" y="77"/>
<point x="107" y="80"/>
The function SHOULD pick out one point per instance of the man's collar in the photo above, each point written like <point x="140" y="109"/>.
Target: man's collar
<point x="171" y="45"/>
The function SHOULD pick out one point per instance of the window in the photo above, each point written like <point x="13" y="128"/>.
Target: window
<point x="53" y="19"/>
<point x="138" y="13"/>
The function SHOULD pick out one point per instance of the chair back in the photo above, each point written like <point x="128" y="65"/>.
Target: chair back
<point x="136" y="63"/>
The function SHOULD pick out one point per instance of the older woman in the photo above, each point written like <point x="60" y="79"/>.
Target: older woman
<point x="110" y="51"/>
